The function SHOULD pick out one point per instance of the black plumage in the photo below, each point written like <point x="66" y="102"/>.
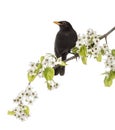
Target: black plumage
<point x="65" y="40"/>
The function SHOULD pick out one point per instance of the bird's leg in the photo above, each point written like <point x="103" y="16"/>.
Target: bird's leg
<point x="75" y="54"/>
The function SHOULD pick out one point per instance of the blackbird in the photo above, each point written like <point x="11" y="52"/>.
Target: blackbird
<point x="65" y="40"/>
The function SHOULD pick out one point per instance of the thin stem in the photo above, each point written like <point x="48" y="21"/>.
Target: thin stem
<point x="106" y="40"/>
<point x="29" y="83"/>
<point x="106" y="34"/>
<point x="71" y="58"/>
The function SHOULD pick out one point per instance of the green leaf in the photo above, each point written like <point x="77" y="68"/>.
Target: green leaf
<point x="63" y="63"/>
<point x="74" y="50"/>
<point x="83" y="51"/>
<point x="39" y="66"/>
<point x="49" y="86"/>
<point x="41" y="59"/>
<point x="27" y="110"/>
<point x="84" y="60"/>
<point x="113" y="52"/>
<point x="48" y="73"/>
<point x="107" y="81"/>
<point x="112" y="74"/>
<point x="102" y="52"/>
<point x="11" y="113"/>
<point x="31" y="77"/>
<point x="99" y="57"/>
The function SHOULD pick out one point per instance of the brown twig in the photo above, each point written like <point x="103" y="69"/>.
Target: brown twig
<point x="106" y="34"/>
<point x="71" y="58"/>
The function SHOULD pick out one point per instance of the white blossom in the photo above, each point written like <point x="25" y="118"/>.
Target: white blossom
<point x="20" y="112"/>
<point x="110" y="62"/>
<point x="105" y="48"/>
<point x="31" y="72"/>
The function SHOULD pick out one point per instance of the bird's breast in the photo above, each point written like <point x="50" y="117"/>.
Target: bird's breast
<point x="65" y="40"/>
<point x="66" y="37"/>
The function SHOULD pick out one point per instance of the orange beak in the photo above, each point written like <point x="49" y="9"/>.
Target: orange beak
<point x="56" y="22"/>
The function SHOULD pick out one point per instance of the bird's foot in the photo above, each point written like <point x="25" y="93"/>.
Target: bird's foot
<point x="77" y="56"/>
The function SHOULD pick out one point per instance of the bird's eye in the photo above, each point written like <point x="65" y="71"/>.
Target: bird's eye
<point x="64" y="23"/>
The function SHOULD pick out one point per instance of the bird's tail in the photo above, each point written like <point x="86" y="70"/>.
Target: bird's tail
<point x="60" y="69"/>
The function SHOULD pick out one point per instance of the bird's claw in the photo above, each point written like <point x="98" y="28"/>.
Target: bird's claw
<point x="77" y="55"/>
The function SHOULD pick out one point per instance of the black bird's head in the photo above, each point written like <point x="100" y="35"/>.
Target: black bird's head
<point x="64" y="25"/>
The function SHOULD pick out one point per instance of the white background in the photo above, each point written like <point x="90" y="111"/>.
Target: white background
<point x="26" y="32"/>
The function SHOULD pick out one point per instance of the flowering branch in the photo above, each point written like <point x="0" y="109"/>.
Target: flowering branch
<point x="86" y="46"/>
<point x="101" y="37"/>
